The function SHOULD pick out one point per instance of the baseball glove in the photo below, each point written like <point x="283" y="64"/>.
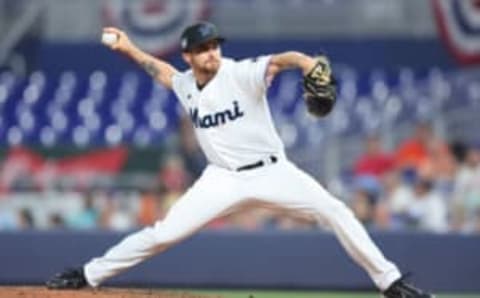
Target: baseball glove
<point x="319" y="87"/>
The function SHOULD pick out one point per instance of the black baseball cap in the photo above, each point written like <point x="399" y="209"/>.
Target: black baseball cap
<point x="198" y="34"/>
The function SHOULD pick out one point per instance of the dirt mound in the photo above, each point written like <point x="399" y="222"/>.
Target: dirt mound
<point x="41" y="292"/>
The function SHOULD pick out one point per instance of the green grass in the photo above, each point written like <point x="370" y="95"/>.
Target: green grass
<point x="310" y="294"/>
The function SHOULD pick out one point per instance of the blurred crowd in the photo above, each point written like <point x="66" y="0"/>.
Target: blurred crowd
<point x="424" y="184"/>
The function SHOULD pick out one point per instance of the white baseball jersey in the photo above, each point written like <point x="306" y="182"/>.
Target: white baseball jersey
<point x="230" y="114"/>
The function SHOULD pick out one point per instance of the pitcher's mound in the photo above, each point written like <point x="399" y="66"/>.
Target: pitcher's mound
<point x="42" y="292"/>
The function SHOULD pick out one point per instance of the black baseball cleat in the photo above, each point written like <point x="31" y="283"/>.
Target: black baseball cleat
<point x="401" y="289"/>
<point x="72" y="278"/>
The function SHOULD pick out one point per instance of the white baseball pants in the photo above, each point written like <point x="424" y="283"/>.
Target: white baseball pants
<point x="219" y="192"/>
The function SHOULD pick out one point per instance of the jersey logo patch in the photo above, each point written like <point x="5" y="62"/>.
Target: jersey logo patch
<point x="216" y="119"/>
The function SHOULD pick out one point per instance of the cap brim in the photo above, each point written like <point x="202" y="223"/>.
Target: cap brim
<point x="220" y="40"/>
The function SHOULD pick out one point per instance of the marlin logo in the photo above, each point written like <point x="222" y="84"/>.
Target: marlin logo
<point x="216" y="119"/>
<point x="204" y="31"/>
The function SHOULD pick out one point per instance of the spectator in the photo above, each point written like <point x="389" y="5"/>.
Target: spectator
<point x="149" y="207"/>
<point x="87" y="218"/>
<point x="427" y="156"/>
<point x="383" y="217"/>
<point x="374" y="161"/>
<point x="363" y="206"/>
<point x="427" y="211"/>
<point x="118" y="214"/>
<point x="56" y="221"/>
<point x="439" y="165"/>
<point x="25" y="219"/>
<point x="173" y="174"/>
<point x="413" y="151"/>
<point x="365" y="200"/>
<point x="466" y="194"/>
<point x="398" y="196"/>
<point x="174" y="178"/>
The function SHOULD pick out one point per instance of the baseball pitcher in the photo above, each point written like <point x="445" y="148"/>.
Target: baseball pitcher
<point x="226" y="101"/>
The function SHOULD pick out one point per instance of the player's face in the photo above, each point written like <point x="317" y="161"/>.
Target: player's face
<point x="205" y="57"/>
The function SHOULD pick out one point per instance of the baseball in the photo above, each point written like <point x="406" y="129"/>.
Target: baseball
<point x="109" y="38"/>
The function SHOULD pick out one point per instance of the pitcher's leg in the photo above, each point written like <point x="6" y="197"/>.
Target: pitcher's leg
<point x="354" y="238"/>
<point x="130" y="251"/>
<point x="187" y="216"/>
<point x="294" y="189"/>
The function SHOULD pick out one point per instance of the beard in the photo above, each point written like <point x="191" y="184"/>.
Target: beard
<point x="211" y="66"/>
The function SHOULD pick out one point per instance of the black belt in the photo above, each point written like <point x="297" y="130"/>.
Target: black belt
<point x="258" y="164"/>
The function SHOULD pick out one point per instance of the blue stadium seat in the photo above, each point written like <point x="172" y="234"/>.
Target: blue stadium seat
<point x="102" y="109"/>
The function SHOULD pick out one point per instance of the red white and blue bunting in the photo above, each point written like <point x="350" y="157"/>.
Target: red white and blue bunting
<point x="459" y="25"/>
<point x="155" y="25"/>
